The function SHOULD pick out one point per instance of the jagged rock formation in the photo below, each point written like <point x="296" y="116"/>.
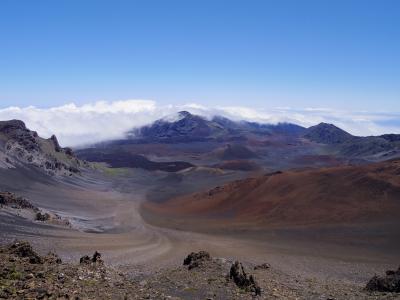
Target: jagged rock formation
<point x="242" y="280"/>
<point x="20" y="146"/>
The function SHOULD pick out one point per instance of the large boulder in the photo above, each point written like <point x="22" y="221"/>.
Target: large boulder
<point x="196" y="259"/>
<point x="388" y="283"/>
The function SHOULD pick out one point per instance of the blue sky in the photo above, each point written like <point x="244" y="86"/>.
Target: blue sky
<point x="332" y="54"/>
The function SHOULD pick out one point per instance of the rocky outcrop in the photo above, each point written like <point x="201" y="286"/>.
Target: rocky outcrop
<point x="21" y="146"/>
<point x="242" y="280"/>
<point x="388" y="283"/>
<point x="43" y="217"/>
<point x="25" y="250"/>
<point x="10" y="199"/>
<point x="22" y="207"/>
<point x="196" y="259"/>
<point x="95" y="259"/>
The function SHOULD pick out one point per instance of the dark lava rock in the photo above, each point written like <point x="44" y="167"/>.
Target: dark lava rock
<point x="263" y="266"/>
<point x="195" y="259"/>
<point x="10" y="199"/>
<point x="242" y="280"/>
<point x="24" y="249"/>
<point x="52" y="258"/>
<point x="85" y="260"/>
<point x="388" y="283"/>
<point x="95" y="259"/>
<point x="42" y="217"/>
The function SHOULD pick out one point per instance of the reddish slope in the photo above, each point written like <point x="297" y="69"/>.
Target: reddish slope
<point x="329" y="195"/>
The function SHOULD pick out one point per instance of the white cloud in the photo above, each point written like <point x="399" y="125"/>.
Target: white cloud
<point x="93" y="122"/>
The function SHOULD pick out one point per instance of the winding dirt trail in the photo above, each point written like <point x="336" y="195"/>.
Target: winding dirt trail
<point x="107" y="219"/>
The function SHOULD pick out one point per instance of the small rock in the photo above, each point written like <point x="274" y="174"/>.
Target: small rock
<point x="61" y="276"/>
<point x="96" y="259"/>
<point x="263" y="266"/>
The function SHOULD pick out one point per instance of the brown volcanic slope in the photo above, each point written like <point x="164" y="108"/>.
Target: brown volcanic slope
<point x="344" y="194"/>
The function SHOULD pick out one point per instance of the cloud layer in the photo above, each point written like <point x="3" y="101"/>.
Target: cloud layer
<point x="94" y="122"/>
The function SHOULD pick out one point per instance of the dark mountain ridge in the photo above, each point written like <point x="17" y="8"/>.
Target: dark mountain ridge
<point x="188" y="136"/>
<point x="187" y="127"/>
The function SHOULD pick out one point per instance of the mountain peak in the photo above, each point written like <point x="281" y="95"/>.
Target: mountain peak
<point x="184" y="114"/>
<point x="326" y="133"/>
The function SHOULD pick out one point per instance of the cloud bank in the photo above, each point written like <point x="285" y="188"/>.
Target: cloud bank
<point x="100" y="121"/>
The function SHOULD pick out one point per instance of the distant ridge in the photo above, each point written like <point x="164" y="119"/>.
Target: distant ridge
<point x="186" y="127"/>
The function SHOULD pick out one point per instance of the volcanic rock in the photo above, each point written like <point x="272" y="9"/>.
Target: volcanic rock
<point x="52" y="258"/>
<point x="196" y="259"/>
<point x="23" y="250"/>
<point x="95" y="259"/>
<point x="242" y="280"/>
<point x="42" y="217"/>
<point x="388" y="283"/>
<point x="10" y="199"/>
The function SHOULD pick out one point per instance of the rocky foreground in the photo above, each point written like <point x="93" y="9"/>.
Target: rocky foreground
<point x="24" y="274"/>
